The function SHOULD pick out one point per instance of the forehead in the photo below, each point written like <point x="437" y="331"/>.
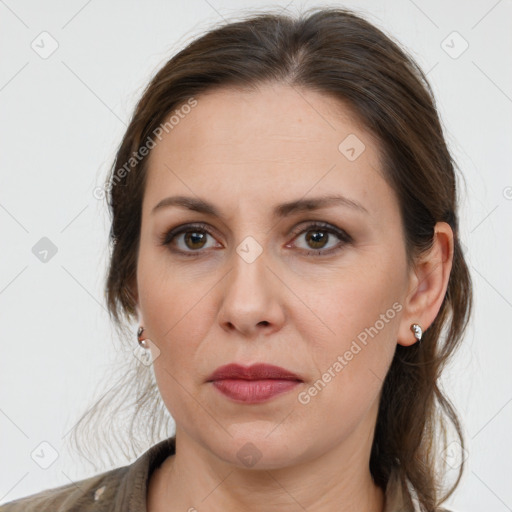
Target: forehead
<point x="274" y="141"/>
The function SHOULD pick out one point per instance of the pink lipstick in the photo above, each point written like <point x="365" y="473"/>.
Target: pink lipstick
<point x="254" y="384"/>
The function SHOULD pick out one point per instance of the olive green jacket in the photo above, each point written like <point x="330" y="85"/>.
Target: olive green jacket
<point x="124" y="489"/>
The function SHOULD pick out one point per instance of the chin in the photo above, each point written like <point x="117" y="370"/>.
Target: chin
<point x="260" y="446"/>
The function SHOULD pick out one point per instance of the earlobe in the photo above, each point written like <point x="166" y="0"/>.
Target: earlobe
<point x="429" y="282"/>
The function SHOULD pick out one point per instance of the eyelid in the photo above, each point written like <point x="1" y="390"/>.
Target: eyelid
<point x="312" y="224"/>
<point x="171" y="234"/>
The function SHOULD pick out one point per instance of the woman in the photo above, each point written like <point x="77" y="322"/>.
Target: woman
<point x="285" y="231"/>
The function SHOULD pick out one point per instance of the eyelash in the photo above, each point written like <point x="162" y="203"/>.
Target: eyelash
<point x="344" y="237"/>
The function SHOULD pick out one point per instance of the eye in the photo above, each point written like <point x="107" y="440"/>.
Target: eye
<point x="318" y="236"/>
<point x="194" y="239"/>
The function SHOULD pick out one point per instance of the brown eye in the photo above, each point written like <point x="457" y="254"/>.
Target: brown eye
<point x="188" y="240"/>
<point x="317" y="238"/>
<point x="319" y="235"/>
<point x="195" y="239"/>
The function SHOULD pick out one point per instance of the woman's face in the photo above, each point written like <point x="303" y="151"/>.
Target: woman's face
<point x="259" y="284"/>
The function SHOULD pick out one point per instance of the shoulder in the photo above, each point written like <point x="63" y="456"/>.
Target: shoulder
<point x="122" y="488"/>
<point x="84" y="495"/>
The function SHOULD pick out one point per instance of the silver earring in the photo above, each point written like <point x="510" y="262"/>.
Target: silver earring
<point x="142" y="342"/>
<point x="416" y="329"/>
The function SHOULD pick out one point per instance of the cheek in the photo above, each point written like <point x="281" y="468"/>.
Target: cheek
<point x="175" y="309"/>
<point x="172" y="310"/>
<point x="351" y="364"/>
<point x="358" y="302"/>
<point x="177" y="330"/>
<point x="359" y="317"/>
<point x="170" y="299"/>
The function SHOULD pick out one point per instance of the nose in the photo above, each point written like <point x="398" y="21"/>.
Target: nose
<point x="252" y="297"/>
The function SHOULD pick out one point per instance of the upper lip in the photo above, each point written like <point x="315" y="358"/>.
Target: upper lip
<point x="257" y="371"/>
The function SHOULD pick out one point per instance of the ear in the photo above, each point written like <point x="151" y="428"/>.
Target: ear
<point x="427" y="285"/>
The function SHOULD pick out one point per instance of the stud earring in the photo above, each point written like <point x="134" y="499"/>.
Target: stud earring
<point x="142" y="342"/>
<point x="416" y="329"/>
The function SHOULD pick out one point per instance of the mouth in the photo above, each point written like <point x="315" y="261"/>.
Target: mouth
<point x="254" y="384"/>
<point x="259" y="371"/>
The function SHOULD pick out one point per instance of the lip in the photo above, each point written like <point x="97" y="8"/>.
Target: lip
<point x="258" y="371"/>
<point x="254" y="384"/>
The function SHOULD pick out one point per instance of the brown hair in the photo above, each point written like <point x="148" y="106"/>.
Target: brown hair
<point x="338" y="53"/>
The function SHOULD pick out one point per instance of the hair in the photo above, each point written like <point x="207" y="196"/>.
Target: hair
<point x="335" y="52"/>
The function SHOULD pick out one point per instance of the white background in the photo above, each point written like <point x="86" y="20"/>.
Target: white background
<point x="61" y="120"/>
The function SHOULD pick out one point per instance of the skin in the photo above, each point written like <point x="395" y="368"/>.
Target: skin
<point x="247" y="151"/>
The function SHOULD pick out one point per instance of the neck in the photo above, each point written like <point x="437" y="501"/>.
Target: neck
<point x="193" y="479"/>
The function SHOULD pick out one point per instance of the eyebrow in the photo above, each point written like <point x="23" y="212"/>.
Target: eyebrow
<point x="281" y="210"/>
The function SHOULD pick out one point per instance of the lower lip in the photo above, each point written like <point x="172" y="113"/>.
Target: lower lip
<point x="253" y="391"/>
